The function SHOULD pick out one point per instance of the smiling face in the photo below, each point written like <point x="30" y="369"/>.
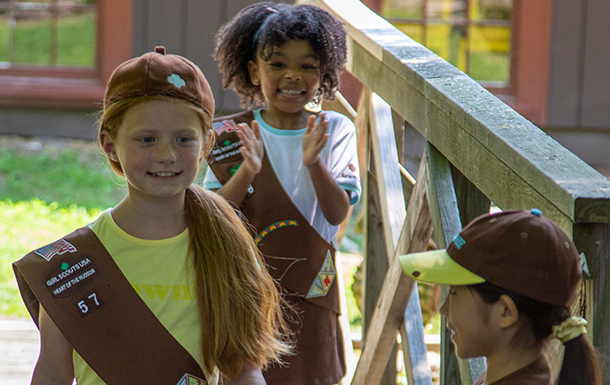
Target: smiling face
<point x="468" y="318"/>
<point x="159" y="146"/>
<point x="289" y="78"/>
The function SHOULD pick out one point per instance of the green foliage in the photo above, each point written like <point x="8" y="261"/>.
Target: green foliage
<point x="26" y="226"/>
<point x="64" y="177"/>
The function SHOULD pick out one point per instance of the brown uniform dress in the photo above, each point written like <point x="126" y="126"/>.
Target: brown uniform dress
<point x="298" y="258"/>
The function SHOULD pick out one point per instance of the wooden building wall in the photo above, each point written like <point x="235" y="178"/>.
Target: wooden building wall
<point x="579" y="73"/>
<point x="187" y="28"/>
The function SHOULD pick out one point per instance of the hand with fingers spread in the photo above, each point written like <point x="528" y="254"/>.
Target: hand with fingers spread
<point x="314" y="139"/>
<point x="252" y="148"/>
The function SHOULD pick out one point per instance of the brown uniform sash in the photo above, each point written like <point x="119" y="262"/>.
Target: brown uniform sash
<point x="298" y="257"/>
<point x="100" y="314"/>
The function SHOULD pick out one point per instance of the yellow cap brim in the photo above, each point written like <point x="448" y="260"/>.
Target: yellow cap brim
<point x="436" y="266"/>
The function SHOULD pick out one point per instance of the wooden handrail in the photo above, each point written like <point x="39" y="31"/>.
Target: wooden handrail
<point x="478" y="151"/>
<point x="508" y="158"/>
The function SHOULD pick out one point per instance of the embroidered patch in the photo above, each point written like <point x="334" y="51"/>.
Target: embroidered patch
<point x="273" y="227"/>
<point x="73" y="275"/>
<point x="226" y="126"/>
<point x="228" y="150"/>
<point x="56" y="248"/>
<point x="325" y="278"/>
<point x="189" y="379"/>
<point x="176" y="80"/>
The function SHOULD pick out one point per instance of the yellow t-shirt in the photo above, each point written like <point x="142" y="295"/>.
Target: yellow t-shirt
<point x="160" y="273"/>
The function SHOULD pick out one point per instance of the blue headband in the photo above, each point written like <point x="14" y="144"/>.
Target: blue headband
<point x="258" y="31"/>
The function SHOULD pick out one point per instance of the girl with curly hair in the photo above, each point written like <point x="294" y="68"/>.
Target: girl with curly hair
<point x="293" y="172"/>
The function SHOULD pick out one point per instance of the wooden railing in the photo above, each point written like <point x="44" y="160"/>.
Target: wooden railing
<point x="478" y="150"/>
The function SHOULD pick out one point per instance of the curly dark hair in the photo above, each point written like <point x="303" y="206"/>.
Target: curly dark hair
<point x="272" y="25"/>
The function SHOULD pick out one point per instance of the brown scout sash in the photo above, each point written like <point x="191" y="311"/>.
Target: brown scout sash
<point x="298" y="257"/>
<point x="101" y="315"/>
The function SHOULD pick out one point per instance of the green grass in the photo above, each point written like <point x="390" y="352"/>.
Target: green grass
<point x="65" y="177"/>
<point x="76" y="41"/>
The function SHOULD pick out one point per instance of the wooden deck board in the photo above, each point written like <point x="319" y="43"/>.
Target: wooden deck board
<point x="19" y="347"/>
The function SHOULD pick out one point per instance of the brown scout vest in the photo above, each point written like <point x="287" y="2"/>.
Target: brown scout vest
<point x="298" y="257"/>
<point x="100" y="314"/>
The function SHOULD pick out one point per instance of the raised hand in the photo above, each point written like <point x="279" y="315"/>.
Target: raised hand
<point x="252" y="148"/>
<point x="314" y="139"/>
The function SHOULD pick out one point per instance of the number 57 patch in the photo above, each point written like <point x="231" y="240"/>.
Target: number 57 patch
<point x="88" y="304"/>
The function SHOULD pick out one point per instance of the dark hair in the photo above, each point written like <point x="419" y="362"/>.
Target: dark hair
<point x="580" y="363"/>
<point x="272" y="25"/>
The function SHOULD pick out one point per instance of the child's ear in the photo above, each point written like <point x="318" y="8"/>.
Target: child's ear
<point x="253" y="70"/>
<point x="506" y="311"/>
<point x="108" y="146"/>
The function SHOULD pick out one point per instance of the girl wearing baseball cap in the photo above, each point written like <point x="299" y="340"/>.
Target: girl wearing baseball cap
<point x="514" y="277"/>
<point x="183" y="254"/>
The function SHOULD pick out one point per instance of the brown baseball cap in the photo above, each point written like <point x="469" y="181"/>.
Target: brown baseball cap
<point x="521" y="251"/>
<point x="156" y="73"/>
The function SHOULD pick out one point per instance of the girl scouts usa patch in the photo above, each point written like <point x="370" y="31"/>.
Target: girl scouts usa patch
<point x="227" y="146"/>
<point x="71" y="276"/>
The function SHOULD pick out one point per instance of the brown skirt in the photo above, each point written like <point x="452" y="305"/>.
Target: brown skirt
<point x="319" y="356"/>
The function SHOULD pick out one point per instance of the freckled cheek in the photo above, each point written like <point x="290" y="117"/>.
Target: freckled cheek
<point x="190" y="156"/>
<point x="134" y="158"/>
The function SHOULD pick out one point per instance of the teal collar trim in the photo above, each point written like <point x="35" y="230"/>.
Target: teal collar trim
<point x="276" y="131"/>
